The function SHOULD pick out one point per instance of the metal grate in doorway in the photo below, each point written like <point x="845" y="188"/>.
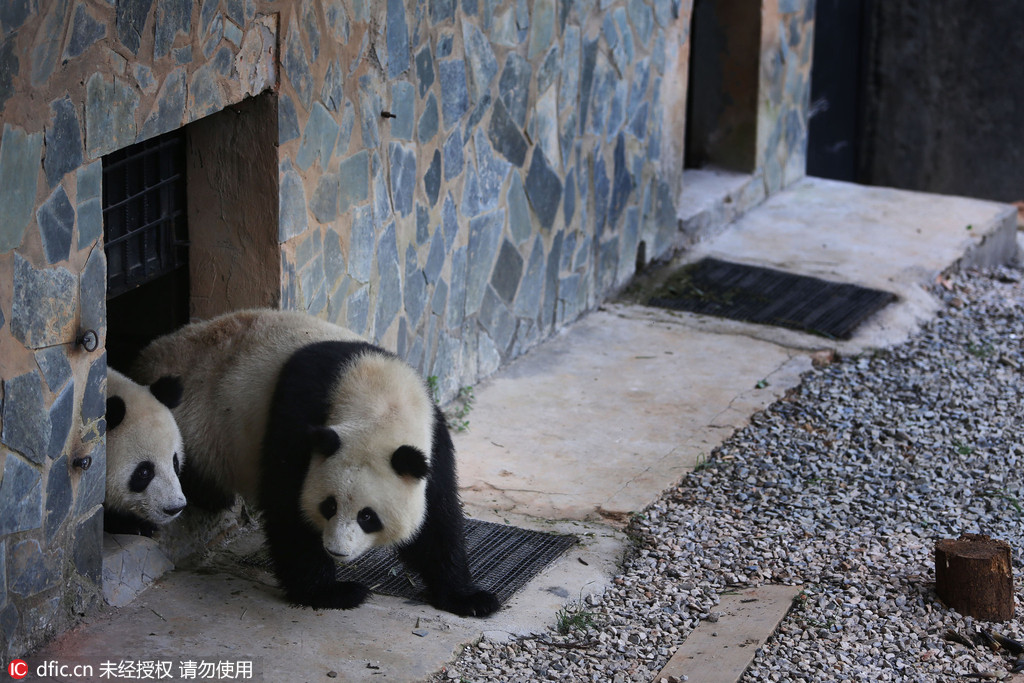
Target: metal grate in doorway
<point x="502" y="559"/>
<point x="770" y="297"/>
<point x="144" y="211"/>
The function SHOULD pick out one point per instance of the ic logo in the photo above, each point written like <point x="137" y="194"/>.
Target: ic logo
<point x="18" y="668"/>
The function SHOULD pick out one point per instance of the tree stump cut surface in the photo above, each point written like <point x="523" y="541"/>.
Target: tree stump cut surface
<point x="973" y="575"/>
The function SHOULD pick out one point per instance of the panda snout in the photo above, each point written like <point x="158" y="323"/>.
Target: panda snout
<point x="172" y="511"/>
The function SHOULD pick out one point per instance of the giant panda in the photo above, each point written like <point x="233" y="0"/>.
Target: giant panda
<point x="335" y="439"/>
<point x="144" y="455"/>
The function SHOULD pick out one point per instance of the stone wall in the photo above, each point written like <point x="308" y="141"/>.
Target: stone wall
<point x="455" y="180"/>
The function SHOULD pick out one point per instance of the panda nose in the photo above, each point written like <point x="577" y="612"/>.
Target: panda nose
<point x="174" y="510"/>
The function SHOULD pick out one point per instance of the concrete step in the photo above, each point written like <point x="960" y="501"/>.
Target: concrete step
<point x="582" y="431"/>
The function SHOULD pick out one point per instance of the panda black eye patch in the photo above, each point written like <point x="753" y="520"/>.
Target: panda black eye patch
<point x="177" y="465"/>
<point x="368" y="520"/>
<point x="328" y="507"/>
<point x="141" y="477"/>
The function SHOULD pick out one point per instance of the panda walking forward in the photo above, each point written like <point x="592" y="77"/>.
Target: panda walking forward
<point x="336" y="440"/>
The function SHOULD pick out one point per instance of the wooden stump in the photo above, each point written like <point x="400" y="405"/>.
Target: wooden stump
<point x="974" y="577"/>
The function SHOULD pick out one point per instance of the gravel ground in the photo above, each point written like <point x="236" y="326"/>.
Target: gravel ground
<point x="842" y="486"/>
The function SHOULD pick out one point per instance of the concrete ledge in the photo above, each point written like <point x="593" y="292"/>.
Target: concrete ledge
<point x="130" y="564"/>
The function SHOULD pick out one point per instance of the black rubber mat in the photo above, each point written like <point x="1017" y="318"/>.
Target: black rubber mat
<point x="502" y="559"/>
<point x="770" y="297"/>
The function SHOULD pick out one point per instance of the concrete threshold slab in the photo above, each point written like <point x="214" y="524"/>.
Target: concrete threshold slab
<point x="720" y="651"/>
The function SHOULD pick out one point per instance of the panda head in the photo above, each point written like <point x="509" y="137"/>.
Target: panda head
<point x="144" y="449"/>
<point x="366" y="484"/>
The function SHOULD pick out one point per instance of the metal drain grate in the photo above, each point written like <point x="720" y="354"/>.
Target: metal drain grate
<point x="502" y="559"/>
<point x="770" y="297"/>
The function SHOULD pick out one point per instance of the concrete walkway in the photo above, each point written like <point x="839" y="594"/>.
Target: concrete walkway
<point x="574" y="437"/>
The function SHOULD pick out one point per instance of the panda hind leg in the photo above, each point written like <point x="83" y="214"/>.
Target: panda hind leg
<point x="203" y="492"/>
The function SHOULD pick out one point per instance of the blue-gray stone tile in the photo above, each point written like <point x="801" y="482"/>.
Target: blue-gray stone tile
<point x="504" y="31"/>
<point x="544" y="189"/>
<point x="441" y="10"/>
<point x="488" y="357"/>
<point x="338" y="22"/>
<point x="26" y="422"/>
<point x="93" y="291"/>
<point x="334" y="259"/>
<point x="483" y="65"/>
<point x="109" y="115"/>
<point x="542" y="27"/>
<point x="422" y="224"/>
<point x="87" y="554"/>
<point x="663" y="12"/>
<point x="415" y="287"/>
<point x="506" y="136"/>
<point x="389" y="294"/>
<point x="642" y="19"/>
<point x="497" y="320"/>
<point x="428" y="124"/>
<point x="369" y="112"/>
<point x="292" y="220"/>
<point x="453" y="158"/>
<point x="318" y="139"/>
<point x="94" y="396"/>
<point x="207" y="89"/>
<point x="182" y="55"/>
<point x="587" y="80"/>
<point x="169" y="109"/>
<point x="61" y="414"/>
<point x="324" y="203"/>
<point x="287" y="120"/>
<point x="507" y="272"/>
<point x="358" y="310"/>
<point x="470" y="204"/>
<point x="449" y="222"/>
<point x="207" y="13"/>
<point x="439" y="299"/>
<point x="432" y="178"/>
<point x="56" y="218"/>
<point x="403" y="106"/>
<point x="12" y="15"/>
<point x="354" y="181"/>
<point x="43" y="312"/>
<point x="522" y="15"/>
<point x="454" y="93"/>
<point x="19" y="172"/>
<point x="21" y="496"/>
<point x="53" y="363"/>
<point x="130" y="19"/>
<point x="457" y="291"/>
<point x="172" y="17"/>
<point x="47" y="49"/>
<point x="569" y="201"/>
<point x="380" y="192"/>
<point x="348" y="118"/>
<point x="608" y="265"/>
<point x="144" y="77"/>
<point x="424" y="70"/>
<point x="9" y="67"/>
<point x="444" y="45"/>
<point x="435" y="258"/>
<point x="397" y="39"/>
<point x="617" y="110"/>
<point x="312" y="30"/>
<point x="638" y="85"/>
<point x="484" y="237"/>
<point x="232" y="33"/>
<point x="491" y="171"/>
<point x="332" y="93"/>
<point x="622" y="182"/>
<point x="403" y="177"/>
<point x="478" y="112"/>
<point x="33" y="570"/>
<point x="295" y="65"/>
<point x="514" y="87"/>
<point x="58" y="497"/>
<point x="638" y="124"/>
<point x="544" y="127"/>
<point x="548" y="71"/>
<point x="360" y="254"/>
<point x="63" y="141"/>
<point x="630" y="242"/>
<point x="602" y="191"/>
<point x="519" y="222"/>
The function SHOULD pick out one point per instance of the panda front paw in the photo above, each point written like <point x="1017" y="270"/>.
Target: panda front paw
<point x="339" y="595"/>
<point x="477" y="603"/>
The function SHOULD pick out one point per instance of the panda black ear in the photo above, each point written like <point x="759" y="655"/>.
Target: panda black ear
<point x="324" y="441"/>
<point x="115" y="411"/>
<point x="410" y="461"/>
<point x="168" y="390"/>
